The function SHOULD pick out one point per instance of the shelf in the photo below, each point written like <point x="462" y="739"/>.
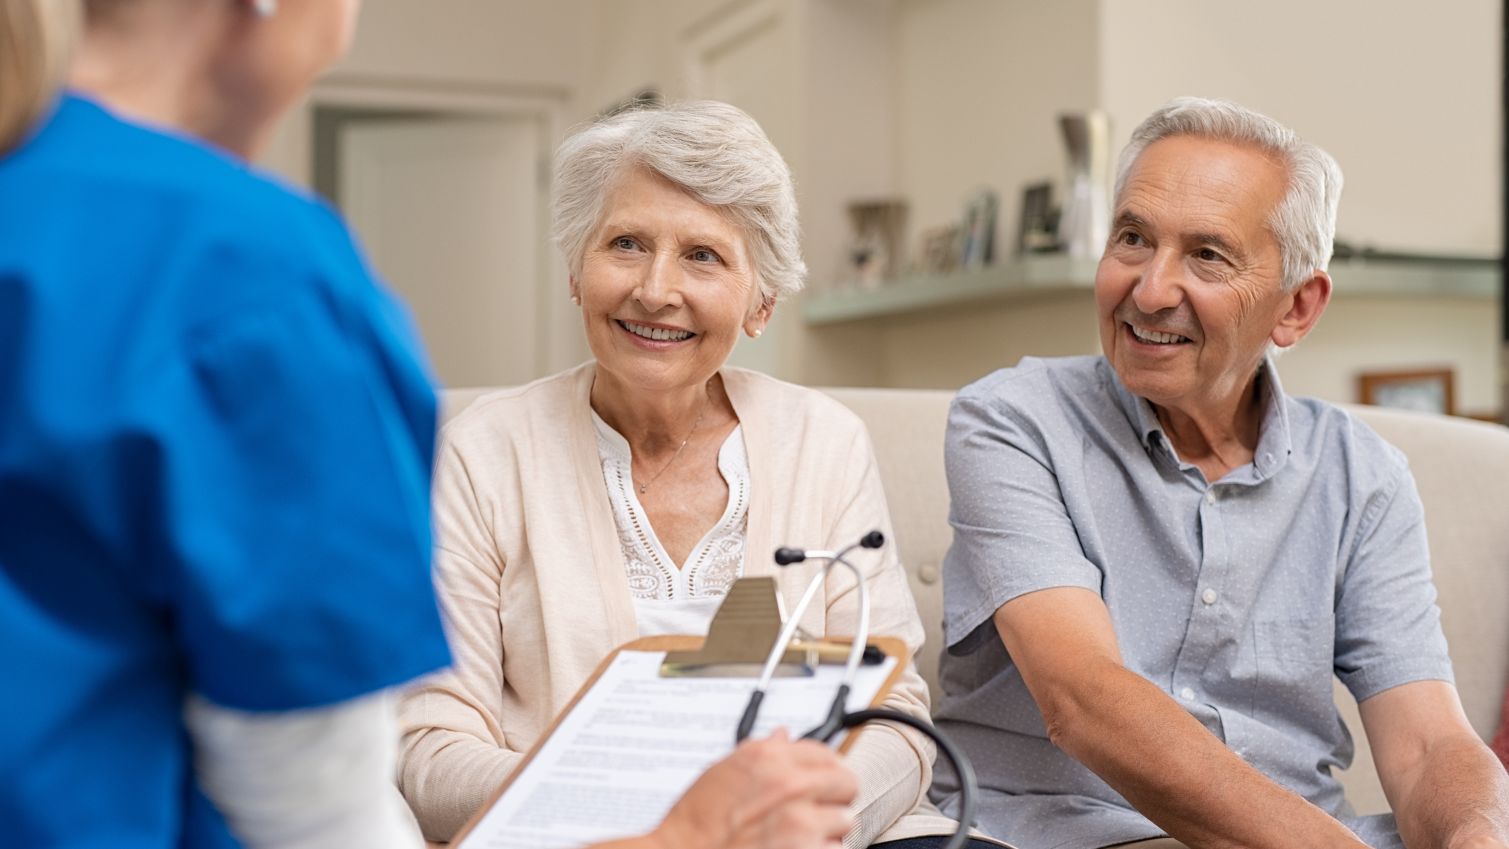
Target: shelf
<point x="1045" y="276"/>
<point x="1033" y="277"/>
<point x="1416" y="278"/>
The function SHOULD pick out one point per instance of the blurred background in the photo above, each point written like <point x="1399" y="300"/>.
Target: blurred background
<point x="942" y="190"/>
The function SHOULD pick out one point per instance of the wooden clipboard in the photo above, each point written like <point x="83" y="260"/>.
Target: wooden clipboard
<point x="892" y="647"/>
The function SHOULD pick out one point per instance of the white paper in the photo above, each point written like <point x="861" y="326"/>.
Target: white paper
<point x="619" y="761"/>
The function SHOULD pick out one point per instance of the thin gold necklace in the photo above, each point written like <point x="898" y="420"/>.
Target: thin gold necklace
<point x="644" y="487"/>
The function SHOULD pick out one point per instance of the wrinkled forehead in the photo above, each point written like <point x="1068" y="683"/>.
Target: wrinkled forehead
<point x="1185" y="180"/>
<point x="637" y="190"/>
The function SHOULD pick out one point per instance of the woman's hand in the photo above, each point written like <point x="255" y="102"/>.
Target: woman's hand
<point x="769" y="794"/>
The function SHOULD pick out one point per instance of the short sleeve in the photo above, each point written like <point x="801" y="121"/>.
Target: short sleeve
<point x="1388" y="627"/>
<point x="1012" y="531"/>
<point x="293" y="443"/>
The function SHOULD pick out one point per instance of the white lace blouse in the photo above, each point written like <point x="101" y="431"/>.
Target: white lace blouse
<point x="672" y="598"/>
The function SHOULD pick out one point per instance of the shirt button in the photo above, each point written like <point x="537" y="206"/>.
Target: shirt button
<point x="1210" y="496"/>
<point x="1187" y="694"/>
<point x="1209" y="596"/>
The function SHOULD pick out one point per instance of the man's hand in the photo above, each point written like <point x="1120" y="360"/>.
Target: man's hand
<point x="769" y="794"/>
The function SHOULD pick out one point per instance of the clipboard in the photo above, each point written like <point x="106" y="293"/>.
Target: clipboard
<point x="889" y="647"/>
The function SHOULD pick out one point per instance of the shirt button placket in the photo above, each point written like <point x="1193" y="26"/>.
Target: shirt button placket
<point x="1199" y="637"/>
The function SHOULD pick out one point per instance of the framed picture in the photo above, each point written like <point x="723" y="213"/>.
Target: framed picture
<point x="1037" y="229"/>
<point x="1426" y="391"/>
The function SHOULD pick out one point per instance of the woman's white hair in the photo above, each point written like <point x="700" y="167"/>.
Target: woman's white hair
<point x="1305" y="220"/>
<point x="713" y="151"/>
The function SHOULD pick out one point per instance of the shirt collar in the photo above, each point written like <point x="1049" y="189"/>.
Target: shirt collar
<point x="1275" y="443"/>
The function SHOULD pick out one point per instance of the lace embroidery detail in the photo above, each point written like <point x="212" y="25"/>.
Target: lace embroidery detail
<point x="718" y="558"/>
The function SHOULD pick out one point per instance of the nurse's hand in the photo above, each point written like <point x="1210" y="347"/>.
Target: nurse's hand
<point x="769" y="794"/>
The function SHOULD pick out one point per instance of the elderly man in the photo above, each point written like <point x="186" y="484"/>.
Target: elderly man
<point x="1160" y="558"/>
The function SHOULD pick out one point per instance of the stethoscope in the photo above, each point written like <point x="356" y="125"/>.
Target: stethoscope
<point x="839" y="717"/>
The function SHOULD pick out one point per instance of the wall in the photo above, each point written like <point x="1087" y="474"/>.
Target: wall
<point x="954" y="348"/>
<point x="1404" y="94"/>
<point x="470" y="44"/>
<point x="506" y="62"/>
<point x="980" y="85"/>
<point x="1366" y="333"/>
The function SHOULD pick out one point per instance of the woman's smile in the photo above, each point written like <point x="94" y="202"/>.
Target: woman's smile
<point x="654" y="336"/>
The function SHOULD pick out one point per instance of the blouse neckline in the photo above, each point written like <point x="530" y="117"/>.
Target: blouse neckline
<point x="717" y="558"/>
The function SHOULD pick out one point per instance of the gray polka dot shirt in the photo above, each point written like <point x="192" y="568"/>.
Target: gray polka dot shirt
<point x="1239" y="598"/>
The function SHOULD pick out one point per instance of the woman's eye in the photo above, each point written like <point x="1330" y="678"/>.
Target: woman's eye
<point x="624" y="243"/>
<point x="703" y="255"/>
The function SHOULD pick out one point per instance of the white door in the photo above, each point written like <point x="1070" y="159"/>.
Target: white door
<point x="451" y="212"/>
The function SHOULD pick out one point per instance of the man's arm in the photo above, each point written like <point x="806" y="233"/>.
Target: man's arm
<point x="1447" y="789"/>
<point x="1445" y="786"/>
<point x="1139" y="740"/>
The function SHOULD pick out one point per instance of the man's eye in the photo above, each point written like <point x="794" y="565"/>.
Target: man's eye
<point x="1131" y="238"/>
<point x="1208" y="255"/>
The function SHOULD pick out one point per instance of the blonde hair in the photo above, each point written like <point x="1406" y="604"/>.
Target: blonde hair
<point x="36" y="40"/>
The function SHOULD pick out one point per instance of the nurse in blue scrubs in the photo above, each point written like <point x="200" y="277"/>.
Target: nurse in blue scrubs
<point x="215" y="446"/>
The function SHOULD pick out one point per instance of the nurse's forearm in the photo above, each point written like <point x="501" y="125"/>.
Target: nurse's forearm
<point x="303" y="779"/>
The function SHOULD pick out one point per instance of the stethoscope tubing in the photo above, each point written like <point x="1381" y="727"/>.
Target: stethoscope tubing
<point x="839" y="717"/>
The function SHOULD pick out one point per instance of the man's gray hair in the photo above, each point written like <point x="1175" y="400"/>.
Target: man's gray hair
<point x="1305" y="220"/>
<point x="713" y="151"/>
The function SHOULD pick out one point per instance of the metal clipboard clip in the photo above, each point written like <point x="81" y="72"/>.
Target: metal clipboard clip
<point x="742" y="633"/>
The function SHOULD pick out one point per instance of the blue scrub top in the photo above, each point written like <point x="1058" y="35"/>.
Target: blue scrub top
<point x="215" y="446"/>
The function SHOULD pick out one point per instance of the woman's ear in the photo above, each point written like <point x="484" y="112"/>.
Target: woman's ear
<point x="755" y="324"/>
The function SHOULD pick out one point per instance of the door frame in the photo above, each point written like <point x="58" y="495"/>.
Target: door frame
<point x="560" y="343"/>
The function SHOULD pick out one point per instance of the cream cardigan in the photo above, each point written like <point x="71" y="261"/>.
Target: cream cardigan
<point x="535" y="595"/>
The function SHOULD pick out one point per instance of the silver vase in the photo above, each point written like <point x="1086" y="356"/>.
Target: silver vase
<point x="1085" y="223"/>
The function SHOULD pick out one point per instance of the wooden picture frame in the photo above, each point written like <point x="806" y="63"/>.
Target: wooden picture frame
<point x="1423" y="390"/>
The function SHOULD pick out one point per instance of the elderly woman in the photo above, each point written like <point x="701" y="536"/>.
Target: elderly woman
<point x="622" y="498"/>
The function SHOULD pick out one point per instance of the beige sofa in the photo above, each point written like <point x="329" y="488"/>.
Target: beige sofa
<point x="1462" y="468"/>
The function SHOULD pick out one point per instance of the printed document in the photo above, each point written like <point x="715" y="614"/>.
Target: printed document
<point x="636" y="741"/>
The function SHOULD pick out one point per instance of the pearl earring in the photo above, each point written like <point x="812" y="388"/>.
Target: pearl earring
<point x="758" y="331"/>
<point x="576" y="299"/>
<point x="265" y="8"/>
